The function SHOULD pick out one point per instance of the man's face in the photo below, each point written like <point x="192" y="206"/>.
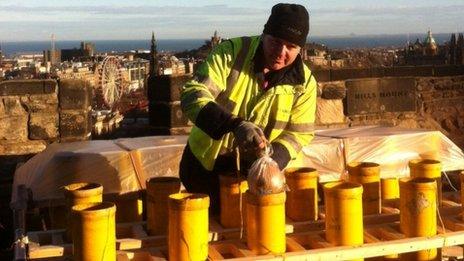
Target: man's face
<point x="278" y="53"/>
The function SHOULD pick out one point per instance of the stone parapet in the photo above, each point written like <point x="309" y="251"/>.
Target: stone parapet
<point x="34" y="113"/>
<point x="332" y="90"/>
<point x="166" y="88"/>
<point x="43" y="126"/>
<point x="75" y="95"/>
<point x="75" y="125"/>
<point x="330" y="75"/>
<point x="11" y="148"/>
<point x="14" y="128"/>
<point x="27" y="87"/>
<point x="165" y="113"/>
<point x="435" y="103"/>
<point x="329" y="112"/>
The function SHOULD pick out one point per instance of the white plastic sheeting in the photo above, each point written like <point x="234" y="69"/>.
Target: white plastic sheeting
<point x="119" y="165"/>
<point x="123" y="165"/>
<point x="325" y="155"/>
<point x="392" y="148"/>
<point x="158" y="156"/>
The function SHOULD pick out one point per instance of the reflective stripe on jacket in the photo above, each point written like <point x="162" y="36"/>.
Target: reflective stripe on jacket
<point x="285" y="113"/>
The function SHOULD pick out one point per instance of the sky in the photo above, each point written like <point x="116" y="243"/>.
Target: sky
<point x="36" y="20"/>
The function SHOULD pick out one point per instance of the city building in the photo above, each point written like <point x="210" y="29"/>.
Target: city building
<point x="85" y="52"/>
<point x="136" y="73"/>
<point x="70" y="54"/>
<point x="88" y="49"/>
<point x="427" y="52"/>
<point x="316" y="55"/>
<point x="81" y="71"/>
<point x="52" y="56"/>
<point x="456" y="50"/>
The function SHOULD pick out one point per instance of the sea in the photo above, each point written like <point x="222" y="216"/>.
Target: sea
<point x="173" y="45"/>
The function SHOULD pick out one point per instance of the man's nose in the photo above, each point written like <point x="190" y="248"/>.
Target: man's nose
<point x="281" y="49"/>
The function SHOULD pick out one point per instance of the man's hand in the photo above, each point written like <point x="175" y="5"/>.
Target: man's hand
<point x="249" y="137"/>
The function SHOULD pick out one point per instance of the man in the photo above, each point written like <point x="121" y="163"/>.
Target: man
<point x="249" y="91"/>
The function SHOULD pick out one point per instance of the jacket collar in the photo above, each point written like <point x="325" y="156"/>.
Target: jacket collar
<point x="291" y="75"/>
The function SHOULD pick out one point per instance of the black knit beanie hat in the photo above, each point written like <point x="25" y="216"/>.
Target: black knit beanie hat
<point x="289" y="22"/>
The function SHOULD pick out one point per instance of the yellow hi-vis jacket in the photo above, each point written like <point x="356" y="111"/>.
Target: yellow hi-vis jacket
<point x="285" y="113"/>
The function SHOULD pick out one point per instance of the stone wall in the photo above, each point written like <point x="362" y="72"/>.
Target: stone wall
<point x="75" y="105"/>
<point x="442" y="99"/>
<point x="34" y="113"/>
<point x="165" y="112"/>
<point x="439" y="106"/>
<point x="381" y="72"/>
<point x="439" y="100"/>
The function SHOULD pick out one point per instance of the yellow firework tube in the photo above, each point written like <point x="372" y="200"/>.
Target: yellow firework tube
<point x="133" y="208"/>
<point x="390" y="191"/>
<point x="389" y="188"/>
<point x="368" y="175"/>
<point x="231" y="187"/>
<point x="301" y="203"/>
<point x="188" y="227"/>
<point x="266" y="223"/>
<point x="427" y="168"/>
<point x="94" y="231"/>
<point x="80" y="193"/>
<point x="343" y="213"/>
<point x="418" y="214"/>
<point x="158" y="191"/>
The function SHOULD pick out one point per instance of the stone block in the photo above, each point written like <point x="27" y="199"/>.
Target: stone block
<point x="27" y="87"/>
<point x="397" y="94"/>
<point x="402" y="71"/>
<point x="166" y="88"/>
<point x="427" y="96"/>
<point x="362" y="96"/>
<point x="449" y="125"/>
<point x="14" y="128"/>
<point x="390" y="94"/>
<point x="43" y="126"/>
<point x="447" y="70"/>
<point x="333" y="90"/>
<point x="75" y="138"/>
<point x="322" y="75"/>
<point x="377" y="72"/>
<point x="12" y="106"/>
<point x="76" y="124"/>
<point x="329" y="111"/>
<point x="41" y="103"/>
<point x="75" y="95"/>
<point x="408" y="124"/>
<point x="424" y="86"/>
<point x="345" y="74"/>
<point x="460" y="122"/>
<point x="8" y="148"/>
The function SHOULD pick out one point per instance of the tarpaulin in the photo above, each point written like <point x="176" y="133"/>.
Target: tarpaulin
<point x="123" y="165"/>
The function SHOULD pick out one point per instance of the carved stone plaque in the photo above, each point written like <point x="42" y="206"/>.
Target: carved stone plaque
<point x="370" y="96"/>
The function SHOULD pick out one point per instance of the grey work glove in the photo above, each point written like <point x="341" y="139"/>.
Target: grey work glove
<point x="249" y="137"/>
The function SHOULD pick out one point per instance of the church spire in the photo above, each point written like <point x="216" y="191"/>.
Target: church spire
<point x="153" y="56"/>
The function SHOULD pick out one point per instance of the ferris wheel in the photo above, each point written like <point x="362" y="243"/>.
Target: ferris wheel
<point x="110" y="82"/>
